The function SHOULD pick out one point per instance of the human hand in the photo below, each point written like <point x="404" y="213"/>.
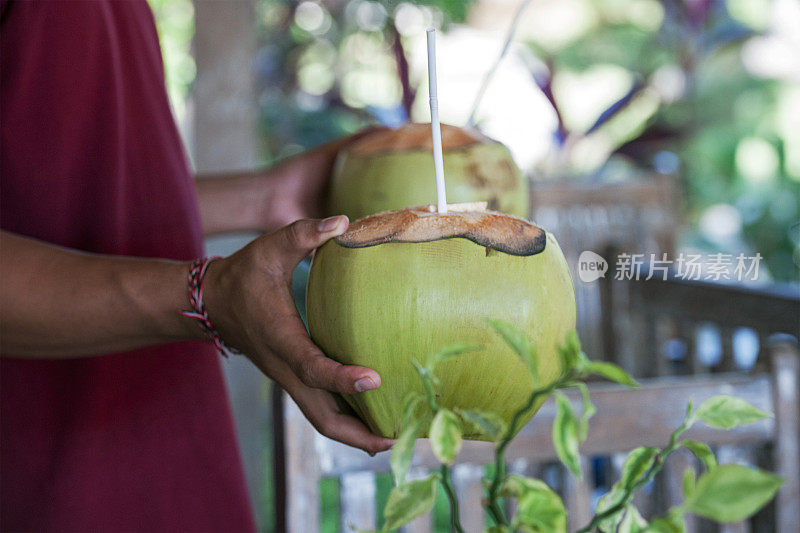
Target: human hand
<point x="297" y="187"/>
<point x="249" y="300"/>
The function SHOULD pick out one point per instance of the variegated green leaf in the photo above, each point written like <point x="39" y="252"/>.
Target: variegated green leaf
<point x="727" y="412"/>
<point x="449" y="351"/>
<point x="410" y="500"/>
<point x="702" y="452"/>
<point x="520" y="343"/>
<point x="487" y="425"/>
<point x="445" y="436"/>
<point x="731" y="492"/>
<point x="611" y="372"/>
<point x="566" y="435"/>
<point x="403" y="450"/>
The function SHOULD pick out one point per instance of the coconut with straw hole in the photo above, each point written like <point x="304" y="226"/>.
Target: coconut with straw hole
<point x="390" y="169"/>
<point x="402" y="284"/>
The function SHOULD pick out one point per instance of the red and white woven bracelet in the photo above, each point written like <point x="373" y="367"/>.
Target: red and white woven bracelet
<point x="197" y="275"/>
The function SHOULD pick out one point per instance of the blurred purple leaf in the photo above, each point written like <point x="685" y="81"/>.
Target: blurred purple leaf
<point x="409" y="94"/>
<point x="393" y="117"/>
<point x="545" y="83"/>
<point x="617" y="106"/>
<point x="722" y="34"/>
<point x="652" y="139"/>
<point x="697" y="11"/>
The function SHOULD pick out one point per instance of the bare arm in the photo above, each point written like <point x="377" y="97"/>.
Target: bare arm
<point x="62" y="303"/>
<point x="235" y="202"/>
<point x="265" y="200"/>
<point x="59" y="303"/>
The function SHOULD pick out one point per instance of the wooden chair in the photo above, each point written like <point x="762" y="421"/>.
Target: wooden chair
<point x="638" y="216"/>
<point x="692" y="327"/>
<point x="675" y="314"/>
<point x="625" y="419"/>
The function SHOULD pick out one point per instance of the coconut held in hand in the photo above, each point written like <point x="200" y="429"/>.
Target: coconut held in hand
<point x="400" y="285"/>
<point x="392" y="169"/>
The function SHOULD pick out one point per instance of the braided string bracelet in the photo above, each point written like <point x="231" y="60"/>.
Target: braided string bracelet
<point x="197" y="275"/>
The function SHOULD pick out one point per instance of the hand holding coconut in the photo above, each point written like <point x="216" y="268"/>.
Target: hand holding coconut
<point x="267" y="199"/>
<point x="249" y="301"/>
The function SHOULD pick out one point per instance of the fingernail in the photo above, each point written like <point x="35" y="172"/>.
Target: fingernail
<point x="365" y="384"/>
<point x="329" y="224"/>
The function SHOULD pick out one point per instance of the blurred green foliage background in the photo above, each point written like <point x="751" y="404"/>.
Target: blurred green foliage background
<point x="707" y="90"/>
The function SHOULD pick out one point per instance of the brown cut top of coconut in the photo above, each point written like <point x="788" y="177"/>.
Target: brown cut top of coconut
<point x="498" y="231"/>
<point x="413" y="136"/>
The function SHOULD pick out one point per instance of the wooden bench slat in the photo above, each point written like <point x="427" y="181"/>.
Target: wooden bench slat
<point x="357" y="495"/>
<point x="578" y="496"/>
<point x="467" y="483"/>
<point x="616" y="421"/>
<point x="305" y="472"/>
<point x="424" y="523"/>
<point x="787" y="416"/>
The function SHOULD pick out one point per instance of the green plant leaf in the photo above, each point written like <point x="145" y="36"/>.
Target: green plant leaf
<point x="727" y="412"/>
<point x="449" y="351"/>
<point x="520" y="343"/>
<point x="701" y="451"/>
<point x="515" y="485"/>
<point x="497" y="529"/>
<point x="413" y="403"/>
<point x="611" y="499"/>
<point x="588" y="411"/>
<point x="538" y="507"/>
<point x="565" y="435"/>
<point x="570" y="352"/>
<point x="637" y="464"/>
<point x="542" y="510"/>
<point x="445" y="435"/>
<point x="488" y="425"/>
<point x="611" y="372"/>
<point x="633" y="522"/>
<point x="672" y="523"/>
<point x="731" y="492"/>
<point x="403" y="450"/>
<point x="688" y="482"/>
<point x="410" y="500"/>
<point x="428" y="377"/>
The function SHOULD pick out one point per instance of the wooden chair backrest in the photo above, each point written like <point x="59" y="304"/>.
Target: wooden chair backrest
<point x="625" y="418"/>
<point x="693" y="325"/>
<point x="638" y="216"/>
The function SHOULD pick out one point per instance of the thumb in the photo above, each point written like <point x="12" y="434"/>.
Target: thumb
<point x="301" y="237"/>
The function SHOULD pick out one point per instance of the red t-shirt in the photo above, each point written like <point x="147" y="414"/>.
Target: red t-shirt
<point x="90" y="158"/>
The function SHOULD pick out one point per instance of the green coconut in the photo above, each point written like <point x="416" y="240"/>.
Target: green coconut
<point x="392" y="169"/>
<point x="401" y="285"/>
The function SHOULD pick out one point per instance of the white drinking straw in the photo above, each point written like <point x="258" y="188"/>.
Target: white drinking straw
<point x="436" y="129"/>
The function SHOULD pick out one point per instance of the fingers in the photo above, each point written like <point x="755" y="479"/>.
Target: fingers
<point x="298" y="239"/>
<point x="285" y="333"/>
<point x="321" y="409"/>
<point x="351" y="431"/>
<point x="315" y="369"/>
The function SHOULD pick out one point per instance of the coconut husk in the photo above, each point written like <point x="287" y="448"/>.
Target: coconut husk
<point x="497" y="231"/>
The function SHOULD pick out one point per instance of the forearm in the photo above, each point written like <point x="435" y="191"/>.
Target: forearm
<point x="231" y="203"/>
<point x="58" y="303"/>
